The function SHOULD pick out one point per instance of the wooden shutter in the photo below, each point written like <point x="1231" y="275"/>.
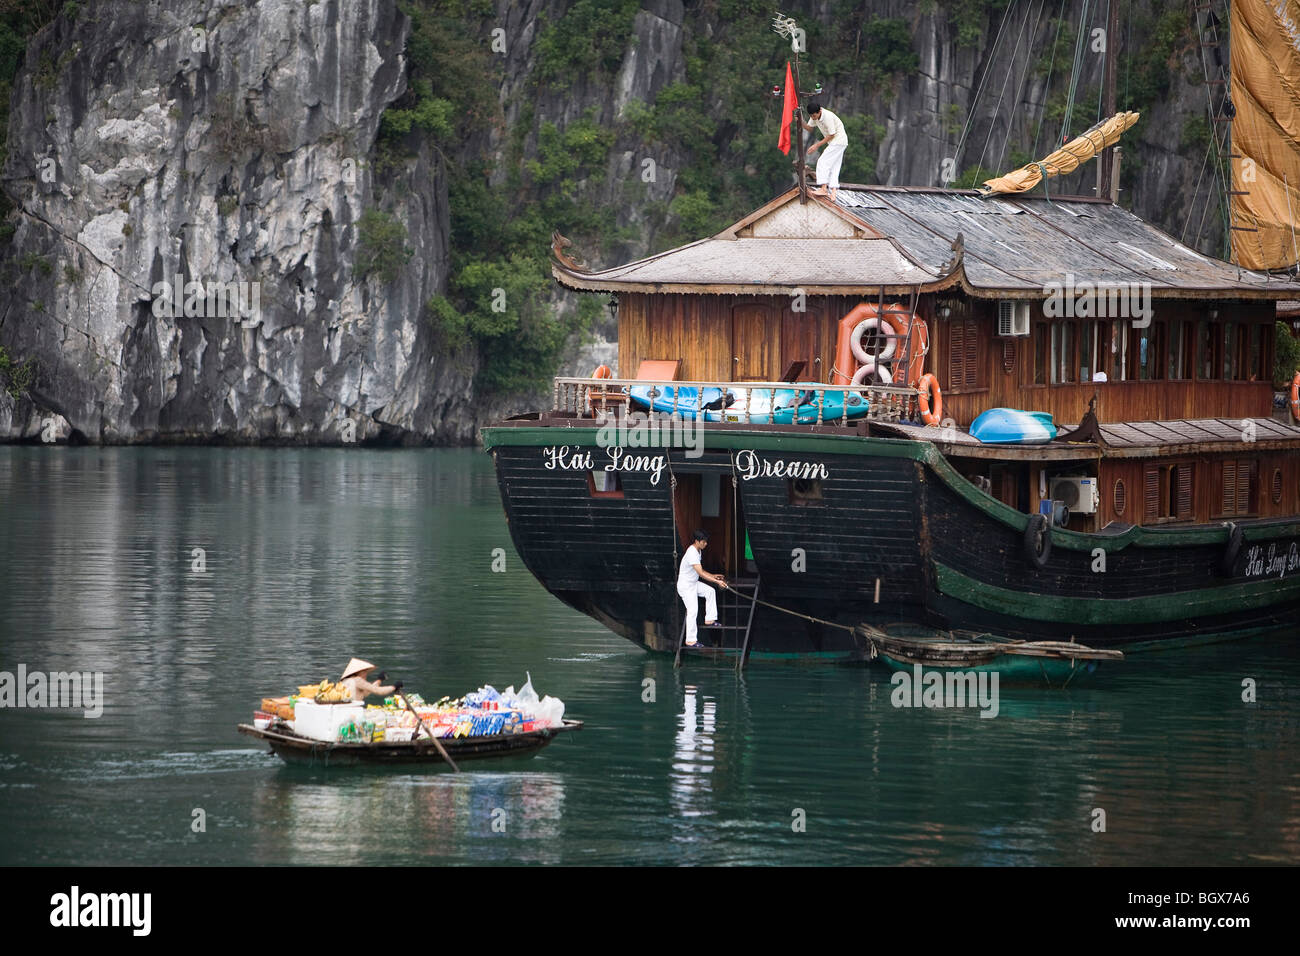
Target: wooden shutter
<point x="956" y="354"/>
<point x="1247" y="477"/>
<point x="963" y="354"/>
<point x="1240" y="479"/>
<point x="1151" y="493"/>
<point x="1185" y="497"/>
<point x="1229" y="506"/>
<point x="972" y="354"/>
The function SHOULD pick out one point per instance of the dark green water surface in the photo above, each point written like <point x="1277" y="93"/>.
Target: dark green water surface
<point x="313" y="556"/>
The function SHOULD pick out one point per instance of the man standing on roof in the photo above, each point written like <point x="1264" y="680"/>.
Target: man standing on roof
<point x="836" y="141"/>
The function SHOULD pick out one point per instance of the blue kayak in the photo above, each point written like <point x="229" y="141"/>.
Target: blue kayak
<point x="785" y="406"/>
<point x="685" y="400"/>
<point x="1011" y="426"/>
<point x="781" y="406"/>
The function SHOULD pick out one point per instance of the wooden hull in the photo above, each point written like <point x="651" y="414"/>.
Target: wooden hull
<point x="295" y="749"/>
<point x="1053" y="663"/>
<point x="893" y="511"/>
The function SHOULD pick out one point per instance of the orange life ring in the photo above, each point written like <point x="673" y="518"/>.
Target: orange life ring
<point x="1295" y="397"/>
<point x="603" y="371"/>
<point x="925" y="387"/>
<point x="896" y="317"/>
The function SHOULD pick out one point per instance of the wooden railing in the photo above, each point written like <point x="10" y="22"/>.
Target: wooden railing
<point x="588" y="397"/>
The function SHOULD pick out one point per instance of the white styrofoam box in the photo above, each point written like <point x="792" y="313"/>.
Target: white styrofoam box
<point x="322" y="721"/>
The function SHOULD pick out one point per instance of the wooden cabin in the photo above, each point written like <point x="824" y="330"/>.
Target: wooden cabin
<point x="1030" y="303"/>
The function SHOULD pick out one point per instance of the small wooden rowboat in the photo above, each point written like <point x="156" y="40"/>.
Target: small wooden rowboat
<point x="1055" y="663"/>
<point x="293" y="748"/>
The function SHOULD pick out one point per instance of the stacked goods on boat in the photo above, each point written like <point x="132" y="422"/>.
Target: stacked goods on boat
<point x="481" y="713"/>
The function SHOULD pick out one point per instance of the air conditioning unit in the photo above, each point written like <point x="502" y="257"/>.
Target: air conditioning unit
<point x="1079" y="494"/>
<point x="1013" y="318"/>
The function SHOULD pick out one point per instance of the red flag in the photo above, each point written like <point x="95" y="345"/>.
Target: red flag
<point x="787" y="112"/>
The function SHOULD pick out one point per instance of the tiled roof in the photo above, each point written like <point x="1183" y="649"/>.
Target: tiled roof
<point x="907" y="239"/>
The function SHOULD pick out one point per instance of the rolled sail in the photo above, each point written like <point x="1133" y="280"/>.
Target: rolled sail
<point x="1066" y="159"/>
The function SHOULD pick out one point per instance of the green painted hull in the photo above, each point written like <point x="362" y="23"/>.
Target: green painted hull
<point x="948" y="556"/>
<point x="1012" y="669"/>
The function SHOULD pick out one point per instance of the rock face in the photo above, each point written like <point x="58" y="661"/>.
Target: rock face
<point x="226" y="141"/>
<point x="223" y="143"/>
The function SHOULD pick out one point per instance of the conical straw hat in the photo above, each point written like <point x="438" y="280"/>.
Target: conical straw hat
<point x="356" y="666"/>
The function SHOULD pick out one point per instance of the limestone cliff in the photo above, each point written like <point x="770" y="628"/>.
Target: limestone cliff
<point x="224" y="143"/>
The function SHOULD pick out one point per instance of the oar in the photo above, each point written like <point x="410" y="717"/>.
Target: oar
<point x="436" y="742"/>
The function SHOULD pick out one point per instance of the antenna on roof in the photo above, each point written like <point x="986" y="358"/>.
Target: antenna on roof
<point x="787" y="27"/>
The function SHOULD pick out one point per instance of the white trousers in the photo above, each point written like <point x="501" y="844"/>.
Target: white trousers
<point x="828" y="166"/>
<point x="690" y="595"/>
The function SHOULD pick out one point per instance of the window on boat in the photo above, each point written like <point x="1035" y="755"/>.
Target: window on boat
<point x="805" y="491"/>
<point x="1180" y="350"/>
<point x="1208" y="346"/>
<point x="604" y="484"/>
<point x="1168" y="492"/>
<point x="1264" y="367"/>
<point x="1087" y="347"/>
<point x="1231" y="359"/>
<point x="1239" y="486"/>
<point x="1149" y="351"/>
<point x="1041" y="357"/>
<point x="1118" y="338"/>
<point x="1063" y="345"/>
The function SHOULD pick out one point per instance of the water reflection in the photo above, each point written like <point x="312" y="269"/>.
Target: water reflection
<point x="342" y="816"/>
<point x="691" y="780"/>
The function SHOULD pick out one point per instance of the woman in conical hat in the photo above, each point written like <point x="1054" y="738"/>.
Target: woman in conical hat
<point x="355" y="679"/>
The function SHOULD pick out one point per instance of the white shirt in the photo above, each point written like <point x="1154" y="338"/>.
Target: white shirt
<point x="832" y="128"/>
<point x="687" y="576"/>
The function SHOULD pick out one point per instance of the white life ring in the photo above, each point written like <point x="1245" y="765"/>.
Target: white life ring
<point x="869" y="325"/>
<point x="882" y="375"/>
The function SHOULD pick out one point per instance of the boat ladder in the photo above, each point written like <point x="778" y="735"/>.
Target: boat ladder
<point x="736" y="619"/>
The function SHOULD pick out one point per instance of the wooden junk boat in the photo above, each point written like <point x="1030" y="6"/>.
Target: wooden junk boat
<point x="293" y="748"/>
<point x="1166" y="511"/>
<point x="1181" y="493"/>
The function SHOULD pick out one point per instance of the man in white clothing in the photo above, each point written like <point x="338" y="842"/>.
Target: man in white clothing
<point x="836" y="141"/>
<point x="691" y="588"/>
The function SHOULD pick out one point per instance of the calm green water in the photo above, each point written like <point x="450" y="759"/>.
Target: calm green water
<point x="313" y="556"/>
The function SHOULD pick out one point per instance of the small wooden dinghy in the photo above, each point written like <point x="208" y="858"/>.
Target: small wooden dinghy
<point x="1055" y="663"/>
<point x="295" y="749"/>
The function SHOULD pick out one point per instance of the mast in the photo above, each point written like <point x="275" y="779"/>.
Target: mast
<point x="786" y="27"/>
<point x="802" y="165"/>
<point x="1107" y="183"/>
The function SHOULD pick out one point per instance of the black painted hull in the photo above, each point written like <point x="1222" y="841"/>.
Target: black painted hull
<point x="943" y="556"/>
